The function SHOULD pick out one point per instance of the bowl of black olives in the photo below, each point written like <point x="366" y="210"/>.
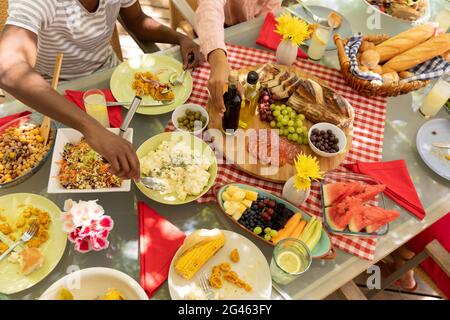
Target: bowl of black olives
<point x="191" y="118"/>
<point x="326" y="139"/>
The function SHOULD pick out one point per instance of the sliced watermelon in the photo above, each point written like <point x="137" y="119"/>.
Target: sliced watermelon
<point x="335" y="192"/>
<point x="370" y="192"/>
<point x="338" y="216"/>
<point x="370" y="217"/>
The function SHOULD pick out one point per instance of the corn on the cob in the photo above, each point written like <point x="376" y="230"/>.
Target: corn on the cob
<point x="195" y="257"/>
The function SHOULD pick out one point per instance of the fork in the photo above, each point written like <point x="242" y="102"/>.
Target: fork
<point x="204" y="285"/>
<point x="26" y="236"/>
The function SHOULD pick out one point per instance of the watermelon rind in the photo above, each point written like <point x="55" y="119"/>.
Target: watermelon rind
<point x="330" y="221"/>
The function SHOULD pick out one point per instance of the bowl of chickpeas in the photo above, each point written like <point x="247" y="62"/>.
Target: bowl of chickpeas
<point x="22" y="149"/>
<point x="191" y="118"/>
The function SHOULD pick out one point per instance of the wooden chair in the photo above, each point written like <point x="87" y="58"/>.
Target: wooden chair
<point x="182" y="15"/>
<point x="433" y="250"/>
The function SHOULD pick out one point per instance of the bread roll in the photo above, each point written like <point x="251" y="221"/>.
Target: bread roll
<point x="370" y="59"/>
<point x="423" y="52"/>
<point x="366" y="45"/>
<point x="404" y="41"/>
<point x="405" y="74"/>
<point x="390" y="77"/>
<point x="378" y="69"/>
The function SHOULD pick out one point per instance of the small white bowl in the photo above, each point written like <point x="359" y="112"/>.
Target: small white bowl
<point x="91" y="283"/>
<point x="181" y="110"/>
<point x="337" y="132"/>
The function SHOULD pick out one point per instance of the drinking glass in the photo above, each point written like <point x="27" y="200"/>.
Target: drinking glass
<point x="95" y="104"/>
<point x="291" y="257"/>
<point x="319" y="42"/>
<point x="436" y="98"/>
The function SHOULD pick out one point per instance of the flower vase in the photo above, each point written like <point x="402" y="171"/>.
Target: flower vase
<point x="294" y="196"/>
<point x="286" y="52"/>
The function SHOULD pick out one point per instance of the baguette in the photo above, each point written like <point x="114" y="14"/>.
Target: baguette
<point x="404" y="41"/>
<point x="423" y="52"/>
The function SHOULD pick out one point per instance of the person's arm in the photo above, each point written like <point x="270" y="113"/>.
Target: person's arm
<point x="18" y="50"/>
<point x="148" y="29"/>
<point x="210" y="20"/>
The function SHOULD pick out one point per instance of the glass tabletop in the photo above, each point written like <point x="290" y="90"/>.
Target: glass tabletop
<point x="324" y="277"/>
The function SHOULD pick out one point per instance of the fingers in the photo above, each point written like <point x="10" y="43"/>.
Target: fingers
<point x="135" y="167"/>
<point x="114" y="163"/>
<point x="124" y="172"/>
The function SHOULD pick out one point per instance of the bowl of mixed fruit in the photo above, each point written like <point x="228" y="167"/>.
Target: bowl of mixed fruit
<point x="271" y="219"/>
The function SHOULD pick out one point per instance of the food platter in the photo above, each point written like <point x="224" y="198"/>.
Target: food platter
<point x="123" y="77"/>
<point x="196" y="145"/>
<point x="323" y="249"/>
<point x="399" y="21"/>
<point x="11" y="279"/>
<point x="71" y="136"/>
<point x="33" y="119"/>
<point x="235" y="148"/>
<point x="252" y="267"/>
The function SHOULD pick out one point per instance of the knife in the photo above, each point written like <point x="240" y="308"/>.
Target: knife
<point x="442" y="145"/>
<point x="130" y="114"/>
<point x="281" y="292"/>
<point x="115" y="104"/>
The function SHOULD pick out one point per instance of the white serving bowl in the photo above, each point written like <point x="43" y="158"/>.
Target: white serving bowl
<point x="337" y="132"/>
<point x="68" y="135"/>
<point x="180" y="112"/>
<point x="91" y="283"/>
<point x="392" y="25"/>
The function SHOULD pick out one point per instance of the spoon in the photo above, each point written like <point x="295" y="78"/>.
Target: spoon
<point x="176" y="79"/>
<point x="154" y="183"/>
<point x="334" y="20"/>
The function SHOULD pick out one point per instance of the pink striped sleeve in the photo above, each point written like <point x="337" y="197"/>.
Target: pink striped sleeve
<point x="209" y="21"/>
<point x="270" y="6"/>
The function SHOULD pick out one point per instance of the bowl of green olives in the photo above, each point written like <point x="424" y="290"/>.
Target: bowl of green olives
<point x="191" y="118"/>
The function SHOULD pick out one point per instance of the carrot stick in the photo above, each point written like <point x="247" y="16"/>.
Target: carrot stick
<point x="298" y="229"/>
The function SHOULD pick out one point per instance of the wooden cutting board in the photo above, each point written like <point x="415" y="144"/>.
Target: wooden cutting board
<point x="235" y="148"/>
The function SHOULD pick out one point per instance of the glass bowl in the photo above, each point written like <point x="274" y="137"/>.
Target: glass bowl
<point x="333" y="177"/>
<point x="36" y="119"/>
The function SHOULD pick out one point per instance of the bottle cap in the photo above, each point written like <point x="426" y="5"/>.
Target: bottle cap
<point x="252" y="77"/>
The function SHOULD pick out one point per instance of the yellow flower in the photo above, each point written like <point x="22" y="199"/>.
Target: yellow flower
<point x="293" y="28"/>
<point x="308" y="169"/>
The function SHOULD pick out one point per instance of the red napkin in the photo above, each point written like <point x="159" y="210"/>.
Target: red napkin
<point x="159" y="240"/>
<point x="270" y="39"/>
<point x="12" y="117"/>
<point x="114" y="113"/>
<point x="399" y="186"/>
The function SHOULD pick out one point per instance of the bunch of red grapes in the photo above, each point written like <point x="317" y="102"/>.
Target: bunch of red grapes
<point x="265" y="114"/>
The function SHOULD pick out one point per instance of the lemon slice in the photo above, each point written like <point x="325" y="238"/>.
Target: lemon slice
<point x="289" y="262"/>
<point x="322" y="35"/>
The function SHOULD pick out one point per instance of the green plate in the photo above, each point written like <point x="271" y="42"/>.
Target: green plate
<point x="123" y="77"/>
<point x="323" y="249"/>
<point x="196" y="144"/>
<point x="11" y="279"/>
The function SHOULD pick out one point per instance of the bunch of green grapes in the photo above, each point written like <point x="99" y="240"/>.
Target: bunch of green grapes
<point x="290" y="123"/>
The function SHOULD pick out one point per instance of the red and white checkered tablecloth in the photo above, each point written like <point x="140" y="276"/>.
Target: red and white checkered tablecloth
<point x="367" y="139"/>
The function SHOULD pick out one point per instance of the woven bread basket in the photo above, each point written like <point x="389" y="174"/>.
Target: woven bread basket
<point x="365" y="87"/>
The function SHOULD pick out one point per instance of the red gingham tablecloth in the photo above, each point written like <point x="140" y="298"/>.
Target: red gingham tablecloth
<point x="367" y="139"/>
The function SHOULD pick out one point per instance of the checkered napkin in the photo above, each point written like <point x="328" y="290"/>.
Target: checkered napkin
<point x="367" y="140"/>
<point x="431" y="69"/>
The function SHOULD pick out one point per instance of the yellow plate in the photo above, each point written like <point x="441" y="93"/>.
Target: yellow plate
<point x="11" y="279"/>
<point x="123" y="77"/>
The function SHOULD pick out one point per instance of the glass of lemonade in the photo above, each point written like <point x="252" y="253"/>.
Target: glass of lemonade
<point x="319" y="42"/>
<point x="95" y="104"/>
<point x="291" y="257"/>
<point x="436" y="98"/>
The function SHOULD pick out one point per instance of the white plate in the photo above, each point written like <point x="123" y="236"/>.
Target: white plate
<point x="91" y="283"/>
<point x="67" y="135"/>
<point x="252" y="268"/>
<point x="432" y="156"/>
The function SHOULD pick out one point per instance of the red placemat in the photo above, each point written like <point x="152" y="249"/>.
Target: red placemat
<point x="367" y="139"/>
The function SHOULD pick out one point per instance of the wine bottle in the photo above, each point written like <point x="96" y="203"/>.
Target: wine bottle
<point x="232" y="100"/>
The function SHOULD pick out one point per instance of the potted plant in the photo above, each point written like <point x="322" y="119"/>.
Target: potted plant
<point x="296" y="190"/>
<point x="294" y="32"/>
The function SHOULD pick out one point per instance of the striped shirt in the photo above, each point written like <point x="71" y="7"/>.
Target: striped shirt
<point x="66" y="26"/>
